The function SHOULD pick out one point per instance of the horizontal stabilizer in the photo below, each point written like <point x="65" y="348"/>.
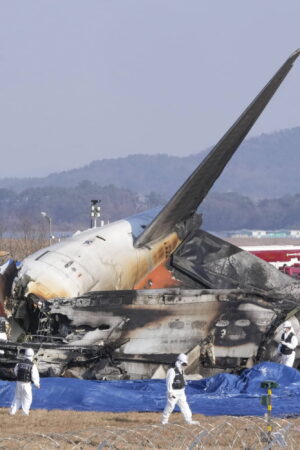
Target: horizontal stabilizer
<point x="187" y="199"/>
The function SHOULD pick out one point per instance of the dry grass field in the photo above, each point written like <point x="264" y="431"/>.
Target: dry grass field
<point x="43" y="421"/>
<point x="84" y="430"/>
<point x="18" y="249"/>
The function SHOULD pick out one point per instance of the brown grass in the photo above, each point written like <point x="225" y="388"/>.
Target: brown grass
<point x="83" y="430"/>
<point x="56" y="421"/>
<point x="18" y="249"/>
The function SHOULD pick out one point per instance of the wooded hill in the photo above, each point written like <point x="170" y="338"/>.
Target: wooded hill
<point x="264" y="172"/>
<point x="263" y="167"/>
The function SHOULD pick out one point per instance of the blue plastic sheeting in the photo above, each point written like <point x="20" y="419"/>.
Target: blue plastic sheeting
<point x="223" y="394"/>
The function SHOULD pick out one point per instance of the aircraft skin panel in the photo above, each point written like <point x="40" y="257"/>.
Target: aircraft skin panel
<point x="185" y="324"/>
<point x="98" y="259"/>
<point x="140" y="330"/>
<point x="7" y="274"/>
<point x="216" y="263"/>
<point x="167" y="321"/>
<point x="160" y="277"/>
<point x="236" y="351"/>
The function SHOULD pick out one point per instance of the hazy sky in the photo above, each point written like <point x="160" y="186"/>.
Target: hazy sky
<point x="89" y="79"/>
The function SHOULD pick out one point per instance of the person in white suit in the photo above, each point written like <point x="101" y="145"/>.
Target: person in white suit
<point x="27" y="374"/>
<point x="3" y="334"/>
<point x="287" y="345"/>
<point x="176" y="391"/>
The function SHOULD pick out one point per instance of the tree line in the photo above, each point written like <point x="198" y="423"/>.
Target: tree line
<point x="69" y="209"/>
<point x="232" y="211"/>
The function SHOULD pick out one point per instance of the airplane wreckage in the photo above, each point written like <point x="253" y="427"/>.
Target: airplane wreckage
<point x="120" y="301"/>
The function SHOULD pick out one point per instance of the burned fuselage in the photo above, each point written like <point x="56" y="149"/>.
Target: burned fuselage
<point x="131" y="334"/>
<point x="99" y="258"/>
<point x="137" y="333"/>
<point x="69" y="298"/>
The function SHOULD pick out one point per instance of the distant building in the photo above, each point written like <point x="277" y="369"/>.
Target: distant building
<point x="295" y="233"/>
<point x="259" y="234"/>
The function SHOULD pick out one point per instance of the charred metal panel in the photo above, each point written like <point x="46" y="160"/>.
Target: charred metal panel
<point x="217" y="264"/>
<point x="6" y="280"/>
<point x="141" y="329"/>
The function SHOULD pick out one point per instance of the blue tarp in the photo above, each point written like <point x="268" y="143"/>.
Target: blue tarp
<point x="222" y="394"/>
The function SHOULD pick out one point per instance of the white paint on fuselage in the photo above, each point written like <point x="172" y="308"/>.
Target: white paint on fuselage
<point x="92" y="260"/>
<point x="101" y="258"/>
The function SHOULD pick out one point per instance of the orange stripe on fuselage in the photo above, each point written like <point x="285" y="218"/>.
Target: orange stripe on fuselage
<point x="159" y="278"/>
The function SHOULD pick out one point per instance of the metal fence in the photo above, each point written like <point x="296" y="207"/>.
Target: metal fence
<point x="233" y="433"/>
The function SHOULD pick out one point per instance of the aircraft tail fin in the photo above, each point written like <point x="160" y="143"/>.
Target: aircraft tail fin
<point x="185" y="202"/>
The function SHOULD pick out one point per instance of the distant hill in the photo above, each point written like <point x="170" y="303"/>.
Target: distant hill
<point x="69" y="209"/>
<point x="264" y="167"/>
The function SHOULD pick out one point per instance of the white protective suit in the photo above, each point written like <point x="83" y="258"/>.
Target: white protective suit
<point x="3" y="338"/>
<point x="176" y="396"/>
<point x="3" y="335"/>
<point x="23" y="393"/>
<point x="288" y="360"/>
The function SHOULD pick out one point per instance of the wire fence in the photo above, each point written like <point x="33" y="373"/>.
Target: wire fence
<point x="246" y="433"/>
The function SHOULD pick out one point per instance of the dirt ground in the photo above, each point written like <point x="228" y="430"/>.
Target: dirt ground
<point x="42" y="421"/>
<point x="84" y="430"/>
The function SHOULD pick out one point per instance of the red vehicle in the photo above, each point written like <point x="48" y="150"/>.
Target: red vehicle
<point x="292" y="271"/>
<point x="286" y="258"/>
